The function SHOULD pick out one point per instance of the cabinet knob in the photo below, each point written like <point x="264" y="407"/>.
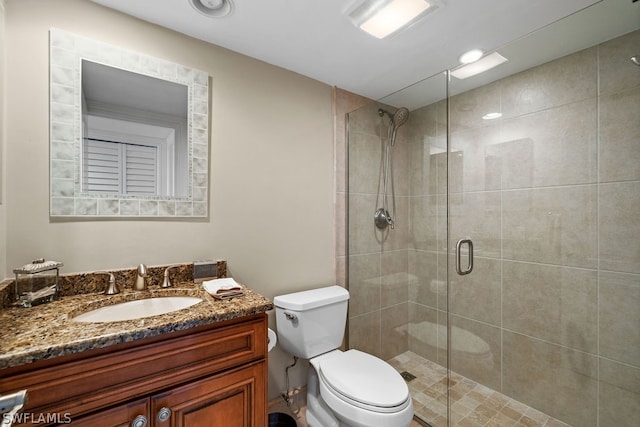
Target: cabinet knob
<point x="139" y="421"/>
<point x="164" y="414"/>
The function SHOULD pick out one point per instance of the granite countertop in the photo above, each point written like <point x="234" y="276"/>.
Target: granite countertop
<point x="47" y="331"/>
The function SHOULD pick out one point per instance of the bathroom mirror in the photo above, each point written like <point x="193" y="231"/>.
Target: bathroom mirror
<point x="128" y="133"/>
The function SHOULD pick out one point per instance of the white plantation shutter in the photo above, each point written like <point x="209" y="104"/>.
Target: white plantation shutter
<point x="141" y="166"/>
<point x="120" y="168"/>
<point x="103" y="167"/>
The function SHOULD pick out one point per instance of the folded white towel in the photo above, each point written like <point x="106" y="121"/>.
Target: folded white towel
<point x="223" y="288"/>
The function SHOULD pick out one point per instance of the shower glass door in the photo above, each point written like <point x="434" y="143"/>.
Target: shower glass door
<point x="533" y="165"/>
<point x="544" y="181"/>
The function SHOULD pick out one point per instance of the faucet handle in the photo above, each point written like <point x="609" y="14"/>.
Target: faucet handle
<point x="142" y="270"/>
<point x="166" y="283"/>
<point x="112" y="289"/>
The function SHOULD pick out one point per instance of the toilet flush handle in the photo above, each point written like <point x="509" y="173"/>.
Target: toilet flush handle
<point x="290" y="316"/>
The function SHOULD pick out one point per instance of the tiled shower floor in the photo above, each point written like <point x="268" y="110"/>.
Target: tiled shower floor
<point x="472" y="404"/>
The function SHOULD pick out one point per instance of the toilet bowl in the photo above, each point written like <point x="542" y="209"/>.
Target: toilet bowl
<point x="362" y="390"/>
<point x="344" y="389"/>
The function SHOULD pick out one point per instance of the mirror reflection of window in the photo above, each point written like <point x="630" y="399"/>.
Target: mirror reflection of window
<point x="120" y="100"/>
<point x="134" y="133"/>
<point x="136" y="159"/>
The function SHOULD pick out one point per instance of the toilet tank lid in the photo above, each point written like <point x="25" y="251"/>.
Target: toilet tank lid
<point x="305" y="300"/>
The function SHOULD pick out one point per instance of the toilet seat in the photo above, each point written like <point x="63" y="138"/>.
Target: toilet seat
<point x="364" y="381"/>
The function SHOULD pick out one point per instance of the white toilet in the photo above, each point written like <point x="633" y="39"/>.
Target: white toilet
<point x="344" y="389"/>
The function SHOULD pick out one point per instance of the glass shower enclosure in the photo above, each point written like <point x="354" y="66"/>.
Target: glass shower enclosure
<point x="506" y="289"/>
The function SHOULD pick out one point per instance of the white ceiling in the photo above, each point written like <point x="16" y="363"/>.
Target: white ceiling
<point x="316" y="38"/>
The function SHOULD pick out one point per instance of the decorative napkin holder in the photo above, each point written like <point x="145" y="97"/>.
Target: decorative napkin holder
<point x="37" y="283"/>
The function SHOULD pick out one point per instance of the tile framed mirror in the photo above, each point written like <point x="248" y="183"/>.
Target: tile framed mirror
<point x="129" y="133"/>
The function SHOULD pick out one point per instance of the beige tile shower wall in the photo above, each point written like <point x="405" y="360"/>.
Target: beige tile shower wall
<point x="378" y="260"/>
<point x="427" y="235"/>
<point x="550" y="195"/>
<point x="344" y="102"/>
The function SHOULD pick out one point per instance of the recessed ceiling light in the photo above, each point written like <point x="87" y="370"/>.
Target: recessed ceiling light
<point x="480" y="66"/>
<point x="491" y="116"/>
<point x="471" y="56"/>
<point x="381" y="18"/>
<point x="213" y="8"/>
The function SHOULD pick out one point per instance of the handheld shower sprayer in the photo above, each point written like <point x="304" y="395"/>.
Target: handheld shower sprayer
<point x="398" y="118"/>
<point x="382" y="218"/>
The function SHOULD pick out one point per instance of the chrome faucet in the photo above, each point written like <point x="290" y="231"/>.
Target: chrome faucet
<point x="141" y="283"/>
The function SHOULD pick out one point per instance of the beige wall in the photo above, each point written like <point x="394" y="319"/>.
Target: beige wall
<point x="271" y="176"/>
<point x="3" y="226"/>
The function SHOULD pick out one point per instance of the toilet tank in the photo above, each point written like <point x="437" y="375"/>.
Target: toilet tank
<point x="311" y="322"/>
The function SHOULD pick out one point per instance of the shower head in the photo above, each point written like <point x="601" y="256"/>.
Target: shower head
<point x="398" y="118"/>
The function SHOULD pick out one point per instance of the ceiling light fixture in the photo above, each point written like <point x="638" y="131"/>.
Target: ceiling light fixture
<point x="491" y="116"/>
<point x="471" y="56"/>
<point x="381" y="18"/>
<point x="479" y="66"/>
<point x="213" y="8"/>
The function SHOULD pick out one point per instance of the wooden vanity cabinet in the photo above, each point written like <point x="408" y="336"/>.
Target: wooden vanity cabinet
<point x="209" y="376"/>
<point x="228" y="399"/>
<point x="223" y="400"/>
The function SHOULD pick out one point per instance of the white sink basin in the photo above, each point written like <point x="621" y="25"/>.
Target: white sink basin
<point x="137" y="309"/>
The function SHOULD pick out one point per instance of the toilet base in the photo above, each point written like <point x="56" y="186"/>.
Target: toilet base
<point x="318" y="413"/>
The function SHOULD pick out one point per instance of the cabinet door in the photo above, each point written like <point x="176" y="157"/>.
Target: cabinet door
<point x="118" y="416"/>
<point x="232" y="399"/>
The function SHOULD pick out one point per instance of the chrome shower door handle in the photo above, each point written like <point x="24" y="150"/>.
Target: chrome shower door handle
<point x="469" y="268"/>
